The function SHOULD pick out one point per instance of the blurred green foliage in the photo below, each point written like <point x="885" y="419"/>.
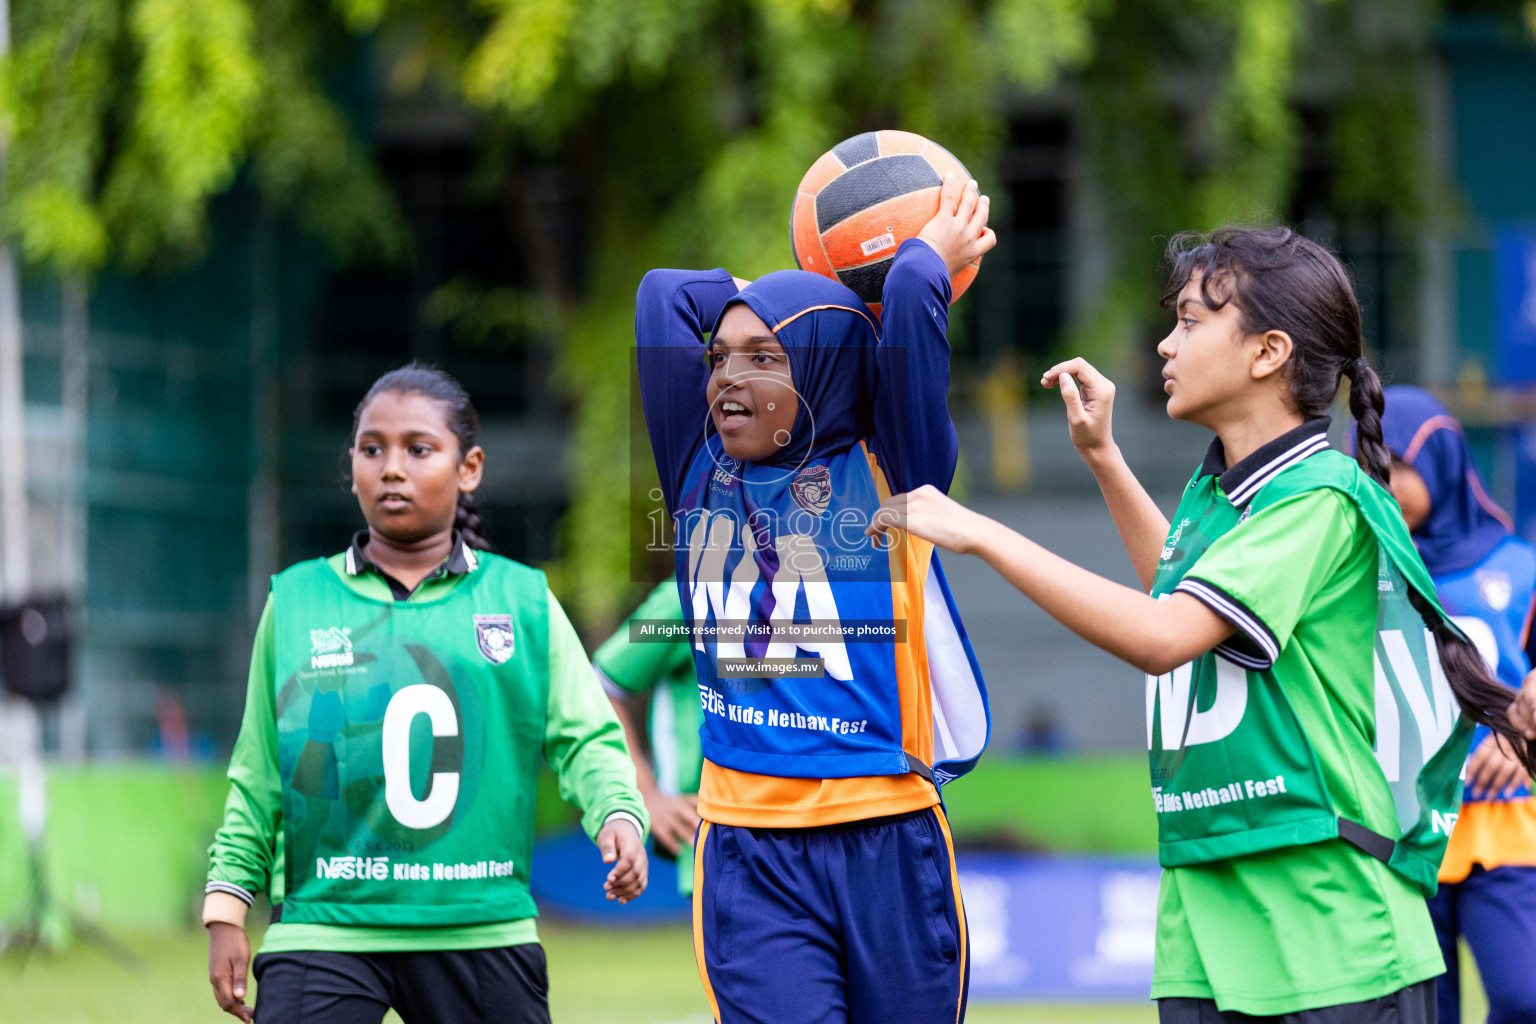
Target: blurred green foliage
<point x="683" y="126"/>
<point x="126" y="117"/>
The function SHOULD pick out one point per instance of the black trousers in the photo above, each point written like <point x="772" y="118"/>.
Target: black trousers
<point x="509" y="985"/>
<point x="1412" y="1005"/>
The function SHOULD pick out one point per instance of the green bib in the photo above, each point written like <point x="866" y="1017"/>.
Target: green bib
<point x="1234" y="772"/>
<point x="410" y="736"/>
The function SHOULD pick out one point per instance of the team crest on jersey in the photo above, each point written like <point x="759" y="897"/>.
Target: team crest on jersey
<point x="1494" y="588"/>
<point x="330" y="648"/>
<point x="812" y="489"/>
<point x="495" y="637"/>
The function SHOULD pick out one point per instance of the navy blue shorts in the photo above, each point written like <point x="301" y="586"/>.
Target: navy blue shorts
<point x="1412" y="1005"/>
<point x="847" y="924"/>
<point x="1496" y="912"/>
<point x="505" y="985"/>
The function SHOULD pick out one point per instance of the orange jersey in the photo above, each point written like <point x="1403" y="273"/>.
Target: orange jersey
<point x="1492" y="835"/>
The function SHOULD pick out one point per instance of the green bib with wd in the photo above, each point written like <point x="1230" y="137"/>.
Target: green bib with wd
<point x="410" y="736"/>
<point x="1233" y="770"/>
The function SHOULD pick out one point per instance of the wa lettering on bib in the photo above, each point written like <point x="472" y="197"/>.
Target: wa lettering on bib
<point x="1233" y="770"/>
<point x="776" y="574"/>
<point x="410" y="736"/>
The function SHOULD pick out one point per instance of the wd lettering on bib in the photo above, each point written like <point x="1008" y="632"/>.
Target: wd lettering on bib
<point x="1233" y="770"/>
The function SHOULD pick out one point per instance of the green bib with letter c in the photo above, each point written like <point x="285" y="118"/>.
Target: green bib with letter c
<point x="410" y="736"/>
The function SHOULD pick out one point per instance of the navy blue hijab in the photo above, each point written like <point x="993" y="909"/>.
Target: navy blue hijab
<point x="1463" y="524"/>
<point x="829" y="337"/>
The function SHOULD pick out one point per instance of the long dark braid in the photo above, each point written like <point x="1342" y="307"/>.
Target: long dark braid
<point x="418" y="378"/>
<point x="1282" y="281"/>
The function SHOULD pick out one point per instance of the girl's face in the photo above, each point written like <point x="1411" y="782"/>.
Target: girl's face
<point x="1212" y="366"/>
<point x="1411" y="492"/>
<point x="752" y="399"/>
<point x="406" y="469"/>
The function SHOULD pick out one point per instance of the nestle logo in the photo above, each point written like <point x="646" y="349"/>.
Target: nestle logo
<point x="330" y="648"/>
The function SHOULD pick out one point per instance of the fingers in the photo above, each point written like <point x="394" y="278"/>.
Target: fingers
<point x="887" y="517"/>
<point x="986" y="243"/>
<point x="950" y="193"/>
<point x="688" y="823"/>
<point x="622" y="880"/>
<point x="977" y="222"/>
<point x="608" y="845"/>
<point x="674" y="820"/>
<point x="237" y="971"/>
<point x="690" y="803"/>
<point x="223" y="992"/>
<point x="1521" y="714"/>
<point x="1511" y="778"/>
<point x="628" y="877"/>
<point x="1510" y="775"/>
<point x="970" y="199"/>
<point x="1477" y="771"/>
<point x="229" y="989"/>
<point x="229" y="954"/>
<point x="673" y="834"/>
<point x="1494" y="769"/>
<point x="1070" y="395"/>
<point x="1086" y="373"/>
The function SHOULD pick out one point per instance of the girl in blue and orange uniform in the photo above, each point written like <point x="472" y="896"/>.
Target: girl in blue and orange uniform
<point x="1485" y="578"/>
<point x="824" y="878"/>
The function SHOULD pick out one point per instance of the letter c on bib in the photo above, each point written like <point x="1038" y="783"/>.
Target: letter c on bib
<point x="404" y="706"/>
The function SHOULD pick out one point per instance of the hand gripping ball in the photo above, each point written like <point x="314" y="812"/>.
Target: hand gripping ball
<point x="861" y="200"/>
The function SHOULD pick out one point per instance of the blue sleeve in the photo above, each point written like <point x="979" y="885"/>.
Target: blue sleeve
<point x="673" y="310"/>
<point x="914" y="436"/>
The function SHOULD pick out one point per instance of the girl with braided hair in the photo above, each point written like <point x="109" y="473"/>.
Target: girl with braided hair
<point x="1486" y="579"/>
<point x="1309" y="703"/>
<point x="402" y="696"/>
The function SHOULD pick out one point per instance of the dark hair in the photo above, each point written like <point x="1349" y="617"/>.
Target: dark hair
<point x="1482" y="697"/>
<point x="418" y="378"/>
<point x="1282" y="281"/>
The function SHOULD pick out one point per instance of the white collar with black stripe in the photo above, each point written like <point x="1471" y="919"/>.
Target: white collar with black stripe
<point x="1244" y="480"/>
<point x="461" y="558"/>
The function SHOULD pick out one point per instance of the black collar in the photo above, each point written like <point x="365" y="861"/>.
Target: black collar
<point x="461" y="559"/>
<point x="1241" y="482"/>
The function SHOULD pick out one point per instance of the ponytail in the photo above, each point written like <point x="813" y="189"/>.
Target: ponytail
<point x="1365" y="405"/>
<point x="1483" y="698"/>
<point x="468" y="524"/>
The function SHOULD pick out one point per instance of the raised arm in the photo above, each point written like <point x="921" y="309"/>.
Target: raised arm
<point x="673" y="310"/>
<point x="1090" y="398"/>
<point x="914" y="435"/>
<point x="1154" y="635"/>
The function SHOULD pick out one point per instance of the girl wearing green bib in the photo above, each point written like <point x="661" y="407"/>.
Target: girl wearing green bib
<point x="403" y="695"/>
<point x="1309" y="705"/>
